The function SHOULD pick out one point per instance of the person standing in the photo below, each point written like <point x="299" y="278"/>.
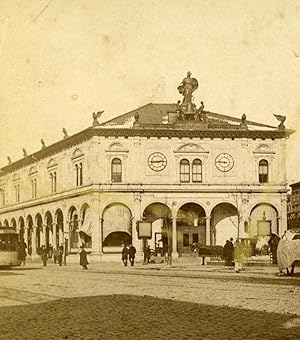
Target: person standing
<point x="44" y="255"/>
<point x="22" y="252"/>
<point x="83" y="258"/>
<point x="60" y="254"/>
<point x="125" y="255"/>
<point x="147" y="254"/>
<point x="228" y="253"/>
<point x="131" y="252"/>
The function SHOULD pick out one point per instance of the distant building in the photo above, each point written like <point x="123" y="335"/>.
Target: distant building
<point x="197" y="176"/>
<point x="293" y="210"/>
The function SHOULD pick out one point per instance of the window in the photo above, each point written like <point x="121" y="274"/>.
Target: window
<point x="116" y="170"/>
<point x="195" y="238"/>
<point x="184" y="171"/>
<point x="186" y="240"/>
<point x="17" y="193"/>
<point x="53" y="181"/>
<point x="263" y="170"/>
<point x="197" y="171"/>
<point x="79" y="175"/>
<point x="33" y="188"/>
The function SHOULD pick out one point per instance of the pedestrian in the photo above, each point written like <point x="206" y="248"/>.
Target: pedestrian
<point x="240" y="253"/>
<point x="22" y="252"/>
<point x="83" y="259"/>
<point x="125" y="255"/>
<point x="44" y="256"/>
<point x="60" y="254"/>
<point x="131" y="253"/>
<point x="147" y="254"/>
<point x="228" y="252"/>
<point x="55" y="255"/>
<point x="50" y="251"/>
<point x="273" y="243"/>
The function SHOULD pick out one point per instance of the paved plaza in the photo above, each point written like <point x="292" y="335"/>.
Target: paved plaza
<point x="155" y="301"/>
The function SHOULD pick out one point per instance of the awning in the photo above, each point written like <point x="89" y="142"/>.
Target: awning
<point x="87" y="225"/>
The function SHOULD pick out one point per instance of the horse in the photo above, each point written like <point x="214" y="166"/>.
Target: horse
<point x="288" y="253"/>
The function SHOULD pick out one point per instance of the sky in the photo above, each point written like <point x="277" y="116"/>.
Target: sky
<point x="62" y="60"/>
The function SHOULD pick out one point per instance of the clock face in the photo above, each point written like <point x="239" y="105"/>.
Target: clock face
<point x="224" y="162"/>
<point x="157" y="161"/>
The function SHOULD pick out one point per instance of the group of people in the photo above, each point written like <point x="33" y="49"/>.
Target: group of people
<point x="49" y="252"/>
<point x="128" y="253"/>
<point x="235" y="255"/>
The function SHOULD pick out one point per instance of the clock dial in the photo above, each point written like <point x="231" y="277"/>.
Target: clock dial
<point x="157" y="161"/>
<point x="224" y="162"/>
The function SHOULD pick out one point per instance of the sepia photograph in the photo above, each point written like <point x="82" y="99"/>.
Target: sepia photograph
<point x="149" y="169"/>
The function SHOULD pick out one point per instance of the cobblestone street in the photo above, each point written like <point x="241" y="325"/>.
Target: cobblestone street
<point x="113" y="302"/>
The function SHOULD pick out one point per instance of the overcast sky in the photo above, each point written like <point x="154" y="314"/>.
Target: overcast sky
<point x="61" y="60"/>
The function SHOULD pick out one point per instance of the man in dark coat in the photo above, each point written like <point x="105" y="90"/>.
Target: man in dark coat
<point x="147" y="254"/>
<point x="131" y="252"/>
<point x="44" y="255"/>
<point x="83" y="258"/>
<point x="273" y="243"/>
<point x="228" y="253"/>
<point x="125" y="255"/>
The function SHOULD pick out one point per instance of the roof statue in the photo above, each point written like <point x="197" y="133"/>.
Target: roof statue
<point x="96" y="116"/>
<point x="187" y="110"/>
<point x="65" y="133"/>
<point x="243" y="124"/>
<point x="43" y="144"/>
<point x="281" y="119"/>
<point x="187" y="87"/>
<point x="24" y="153"/>
<point x="9" y="160"/>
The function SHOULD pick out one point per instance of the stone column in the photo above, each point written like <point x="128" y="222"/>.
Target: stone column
<point x="174" y="239"/>
<point x="34" y="231"/>
<point x="44" y="235"/>
<point x="100" y="235"/>
<point x="54" y="225"/>
<point x="282" y="225"/>
<point x="207" y="231"/>
<point x="26" y="235"/>
<point x="60" y="236"/>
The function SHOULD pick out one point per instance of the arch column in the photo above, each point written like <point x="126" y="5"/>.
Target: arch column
<point x="174" y="239"/>
<point x="44" y="235"/>
<point x="207" y="231"/>
<point x="54" y="226"/>
<point x="34" y="231"/>
<point x="26" y="229"/>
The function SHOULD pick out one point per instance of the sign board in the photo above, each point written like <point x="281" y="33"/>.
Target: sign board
<point x="144" y="230"/>
<point x="263" y="227"/>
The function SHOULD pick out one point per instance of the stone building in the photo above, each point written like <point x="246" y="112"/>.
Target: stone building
<point x="198" y="176"/>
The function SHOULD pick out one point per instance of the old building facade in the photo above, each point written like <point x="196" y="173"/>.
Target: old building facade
<point x="196" y="175"/>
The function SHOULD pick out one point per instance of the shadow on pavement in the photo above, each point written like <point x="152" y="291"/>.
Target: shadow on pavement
<point x="141" y="317"/>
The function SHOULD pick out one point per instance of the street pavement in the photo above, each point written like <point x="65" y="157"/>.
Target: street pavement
<point x="154" y="301"/>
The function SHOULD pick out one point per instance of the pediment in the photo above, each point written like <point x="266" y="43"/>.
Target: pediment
<point x="51" y="163"/>
<point x="116" y="147"/>
<point x="33" y="170"/>
<point x="77" y="154"/>
<point x="263" y="148"/>
<point x="191" y="148"/>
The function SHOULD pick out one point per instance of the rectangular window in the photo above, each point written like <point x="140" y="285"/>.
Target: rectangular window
<point x="184" y="171"/>
<point x="186" y="240"/>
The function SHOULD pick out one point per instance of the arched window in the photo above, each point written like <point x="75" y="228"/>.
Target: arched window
<point x="184" y="171"/>
<point x="116" y="170"/>
<point x="263" y="170"/>
<point x="79" y="175"/>
<point x="197" y="171"/>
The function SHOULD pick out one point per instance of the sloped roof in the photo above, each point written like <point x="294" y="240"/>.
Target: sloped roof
<point x="156" y="114"/>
